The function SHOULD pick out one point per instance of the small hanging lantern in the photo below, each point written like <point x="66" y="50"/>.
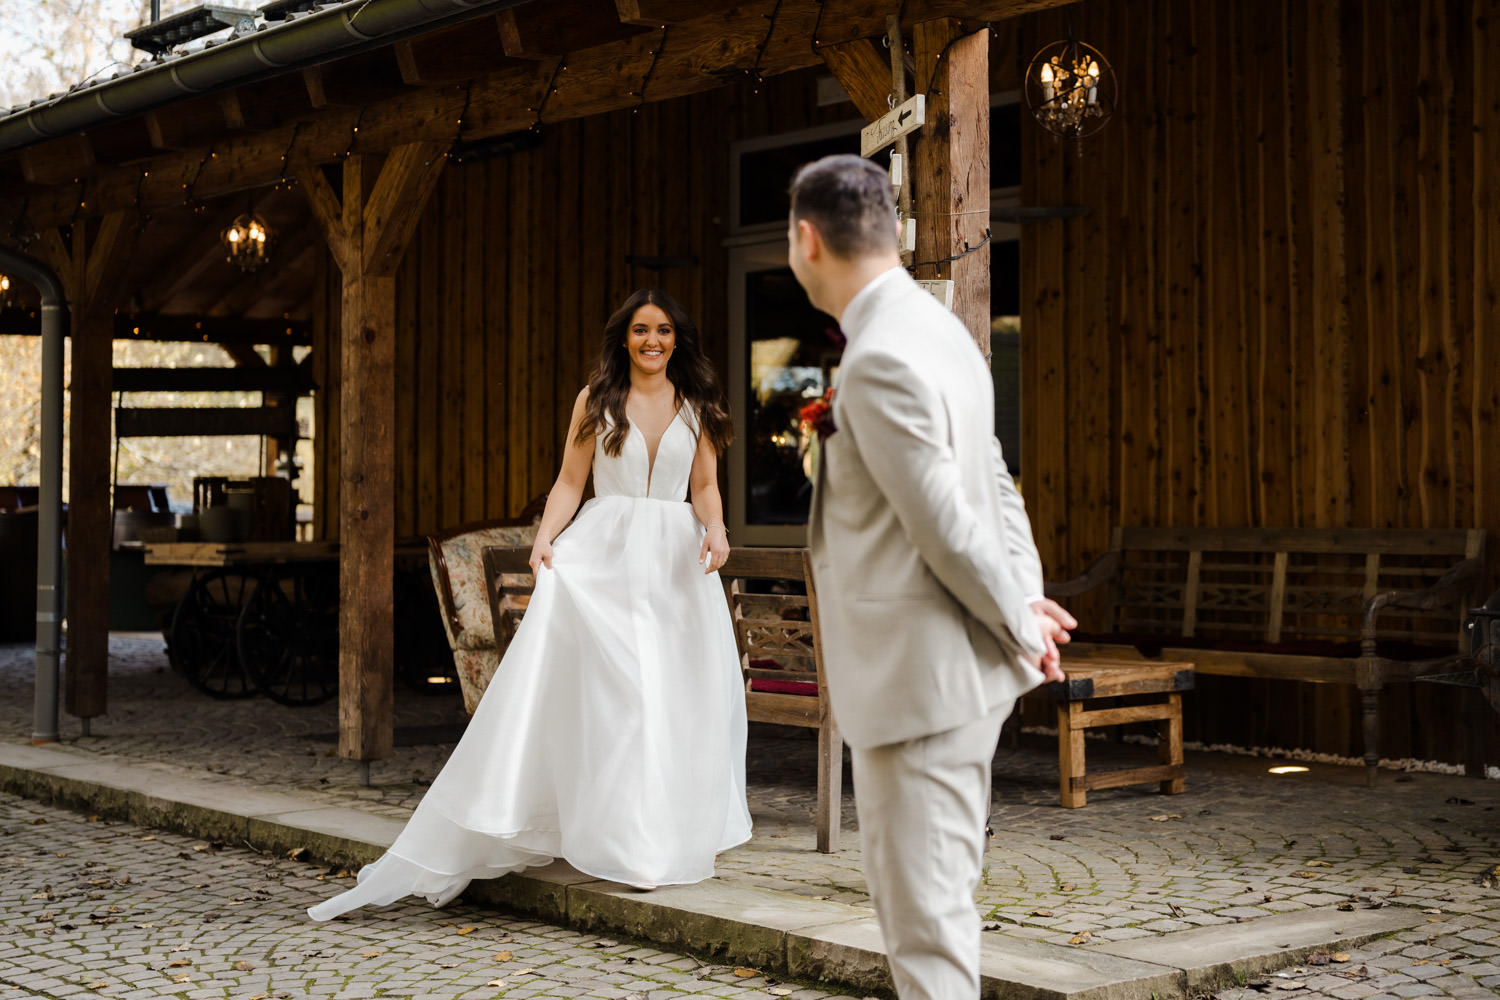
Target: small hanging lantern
<point x="248" y="242"/>
<point x="4" y="290"/>
<point x="1070" y="89"/>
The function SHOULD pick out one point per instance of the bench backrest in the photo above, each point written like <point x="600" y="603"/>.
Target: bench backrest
<point x="773" y="606"/>
<point x="1277" y="584"/>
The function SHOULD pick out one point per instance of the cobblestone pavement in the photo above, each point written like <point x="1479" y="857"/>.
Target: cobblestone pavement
<point x="109" y="910"/>
<point x="1241" y="843"/>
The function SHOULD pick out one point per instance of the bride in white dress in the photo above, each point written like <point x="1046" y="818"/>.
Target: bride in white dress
<point x="613" y="733"/>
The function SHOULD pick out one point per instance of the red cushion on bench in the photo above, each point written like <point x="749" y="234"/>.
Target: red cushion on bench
<point x="783" y="687"/>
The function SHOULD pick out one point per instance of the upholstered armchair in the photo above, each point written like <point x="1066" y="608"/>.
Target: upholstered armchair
<point x="455" y="556"/>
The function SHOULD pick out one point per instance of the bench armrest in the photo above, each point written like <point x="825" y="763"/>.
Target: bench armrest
<point x="1449" y="589"/>
<point x="1100" y="571"/>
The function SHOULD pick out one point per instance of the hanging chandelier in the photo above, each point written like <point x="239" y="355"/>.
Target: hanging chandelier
<point x="248" y="242"/>
<point x="1070" y="89"/>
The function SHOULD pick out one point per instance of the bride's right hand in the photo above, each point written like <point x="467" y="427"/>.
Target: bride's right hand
<point x="541" y="553"/>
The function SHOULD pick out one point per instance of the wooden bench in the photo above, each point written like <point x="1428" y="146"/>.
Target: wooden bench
<point x="773" y="607"/>
<point x="1367" y="607"/>
<point x="1155" y="689"/>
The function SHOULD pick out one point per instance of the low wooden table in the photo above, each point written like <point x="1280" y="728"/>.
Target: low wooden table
<point x="1160" y="682"/>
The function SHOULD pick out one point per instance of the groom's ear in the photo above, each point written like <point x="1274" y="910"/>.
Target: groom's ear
<point x="810" y="238"/>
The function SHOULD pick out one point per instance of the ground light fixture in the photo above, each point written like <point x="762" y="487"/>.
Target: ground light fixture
<point x="1070" y="89"/>
<point x="1287" y="769"/>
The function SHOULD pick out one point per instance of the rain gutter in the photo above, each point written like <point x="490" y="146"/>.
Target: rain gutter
<point x="270" y="50"/>
<point x="49" y="506"/>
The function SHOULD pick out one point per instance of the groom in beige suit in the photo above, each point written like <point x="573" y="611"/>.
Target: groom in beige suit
<point x="932" y="612"/>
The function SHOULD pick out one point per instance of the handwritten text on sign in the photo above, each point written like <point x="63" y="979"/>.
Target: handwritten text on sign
<point x="908" y="117"/>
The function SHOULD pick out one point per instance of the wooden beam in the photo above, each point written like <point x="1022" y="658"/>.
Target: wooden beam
<point x="354" y="82"/>
<point x="233" y="421"/>
<point x="951" y="176"/>
<point x="863" y="69"/>
<point x="60" y="161"/>
<point x="266" y="378"/>
<point x="187" y="264"/>
<point x="655" y="13"/>
<point x="395" y="206"/>
<point x="542" y="31"/>
<point x="198" y="329"/>
<point x="701" y="53"/>
<point x="92" y="266"/>
<point x="188" y="124"/>
<point x="372" y="233"/>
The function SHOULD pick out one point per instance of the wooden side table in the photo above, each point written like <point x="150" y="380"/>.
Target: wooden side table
<point x="1162" y="684"/>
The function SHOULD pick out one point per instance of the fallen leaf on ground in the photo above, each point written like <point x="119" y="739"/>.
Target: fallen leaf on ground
<point x="1346" y="907"/>
<point x="150" y="836"/>
<point x="1165" y="816"/>
<point x="495" y="982"/>
<point x="1175" y="910"/>
<point x="244" y="966"/>
<point x="745" y="973"/>
<point x="1319" y="957"/>
<point x="1318" y="864"/>
<point x="1432" y="911"/>
<point x="466" y="930"/>
<point x="1041" y="913"/>
<point x="297" y="853"/>
<point x="180" y="963"/>
<point x="1294" y="985"/>
<point x="779" y="991"/>
<point x="1341" y="956"/>
<point x="184" y="978"/>
<point x="503" y="956"/>
<point x="261" y="996"/>
<point x="1068" y="888"/>
<point x="1082" y="937"/>
<point x="1303" y="875"/>
<point x="371" y="954"/>
<point x="92" y="986"/>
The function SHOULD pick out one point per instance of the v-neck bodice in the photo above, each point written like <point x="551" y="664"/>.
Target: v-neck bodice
<point x="632" y="473"/>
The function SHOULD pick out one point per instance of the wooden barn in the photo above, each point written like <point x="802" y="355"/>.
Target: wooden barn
<point x="1260" y="296"/>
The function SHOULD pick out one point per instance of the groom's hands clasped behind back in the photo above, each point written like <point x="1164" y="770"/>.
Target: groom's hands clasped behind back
<point x="1055" y="622"/>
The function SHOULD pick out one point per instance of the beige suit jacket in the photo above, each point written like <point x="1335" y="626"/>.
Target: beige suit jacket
<point x="921" y="547"/>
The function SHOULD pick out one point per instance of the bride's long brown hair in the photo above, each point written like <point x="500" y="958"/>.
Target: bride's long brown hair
<point x="688" y="370"/>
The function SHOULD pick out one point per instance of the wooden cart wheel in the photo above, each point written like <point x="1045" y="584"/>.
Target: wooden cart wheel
<point x="202" y="645"/>
<point x="288" y="636"/>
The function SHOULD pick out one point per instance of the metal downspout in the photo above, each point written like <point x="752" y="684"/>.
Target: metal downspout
<point x="49" y="528"/>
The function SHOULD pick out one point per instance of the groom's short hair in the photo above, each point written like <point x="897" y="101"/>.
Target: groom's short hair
<point x="848" y="199"/>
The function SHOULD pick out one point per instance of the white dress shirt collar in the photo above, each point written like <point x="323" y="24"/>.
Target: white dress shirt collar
<point x="860" y="309"/>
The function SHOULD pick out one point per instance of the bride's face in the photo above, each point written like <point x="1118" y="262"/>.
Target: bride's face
<point x="650" y="339"/>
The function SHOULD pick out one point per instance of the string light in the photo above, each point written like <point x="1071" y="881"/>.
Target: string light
<point x="953" y="257"/>
<point x="189" y="188"/>
<point x="818" y="23"/>
<point x="650" y="70"/>
<point x="536" y="125"/>
<point x="286" y="158"/>
<point x="458" y="131"/>
<point x="140" y="208"/>
<point x="354" y="132"/>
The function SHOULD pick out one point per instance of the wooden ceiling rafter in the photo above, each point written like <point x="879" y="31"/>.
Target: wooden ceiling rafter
<point x="702" y="53"/>
<point x="535" y="31"/>
<point x="354" y="82"/>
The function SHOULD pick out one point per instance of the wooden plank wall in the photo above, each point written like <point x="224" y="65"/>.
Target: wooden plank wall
<point x="1280" y="309"/>
<point x="518" y="262"/>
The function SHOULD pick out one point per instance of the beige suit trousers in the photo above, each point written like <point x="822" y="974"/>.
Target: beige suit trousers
<point x="922" y="807"/>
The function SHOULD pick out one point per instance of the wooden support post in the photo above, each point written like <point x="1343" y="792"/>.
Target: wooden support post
<point x="951" y="175"/>
<point x="367" y="236"/>
<point x="91" y="264"/>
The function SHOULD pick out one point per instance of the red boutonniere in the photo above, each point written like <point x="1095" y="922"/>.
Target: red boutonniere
<point x="818" y="415"/>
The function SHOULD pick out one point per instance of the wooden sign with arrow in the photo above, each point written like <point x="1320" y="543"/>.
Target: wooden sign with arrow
<point x="901" y="120"/>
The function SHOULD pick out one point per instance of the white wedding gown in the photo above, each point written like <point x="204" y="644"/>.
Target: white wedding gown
<point x="613" y="733"/>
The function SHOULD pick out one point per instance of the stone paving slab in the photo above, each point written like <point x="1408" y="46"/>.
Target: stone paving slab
<point x="1214" y="956"/>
